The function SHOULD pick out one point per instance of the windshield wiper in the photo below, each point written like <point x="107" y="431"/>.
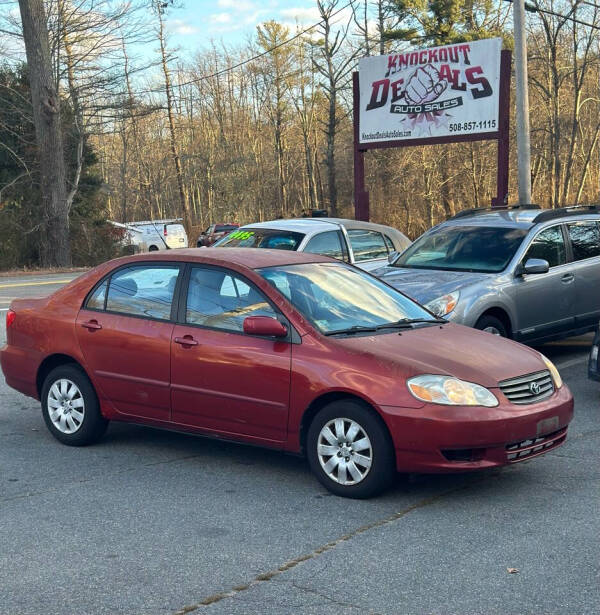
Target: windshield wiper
<point x="403" y="323"/>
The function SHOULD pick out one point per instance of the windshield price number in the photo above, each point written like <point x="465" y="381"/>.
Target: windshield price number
<point x="469" y="126"/>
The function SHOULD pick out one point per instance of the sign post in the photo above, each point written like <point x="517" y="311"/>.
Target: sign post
<point x="455" y="93"/>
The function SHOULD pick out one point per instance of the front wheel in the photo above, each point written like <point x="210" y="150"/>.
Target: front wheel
<point x="70" y="407"/>
<point x="492" y="325"/>
<point x="350" y="450"/>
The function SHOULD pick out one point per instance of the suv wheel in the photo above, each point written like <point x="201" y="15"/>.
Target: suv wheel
<point x="493" y="325"/>
<point x="350" y="450"/>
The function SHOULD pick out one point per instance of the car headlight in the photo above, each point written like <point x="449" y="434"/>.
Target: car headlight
<point x="553" y="371"/>
<point x="450" y="391"/>
<point x="443" y="305"/>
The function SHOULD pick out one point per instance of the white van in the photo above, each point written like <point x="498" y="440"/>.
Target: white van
<point x="153" y="235"/>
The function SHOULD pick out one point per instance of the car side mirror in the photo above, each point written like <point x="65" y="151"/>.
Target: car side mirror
<point x="265" y="326"/>
<point x="392" y="256"/>
<point x="535" y="265"/>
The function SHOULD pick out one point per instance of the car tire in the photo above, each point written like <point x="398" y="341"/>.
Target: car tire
<point x="364" y="478"/>
<point x="70" y="407"/>
<point x="152" y="249"/>
<point x="492" y="325"/>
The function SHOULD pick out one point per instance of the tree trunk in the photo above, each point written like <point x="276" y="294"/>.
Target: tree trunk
<point x="184" y="205"/>
<point x="55" y="249"/>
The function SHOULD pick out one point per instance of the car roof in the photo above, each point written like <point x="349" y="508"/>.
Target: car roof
<point x="518" y="218"/>
<point x="312" y="225"/>
<point x="241" y="257"/>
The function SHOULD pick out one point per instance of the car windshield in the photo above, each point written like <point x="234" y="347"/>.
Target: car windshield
<point x="261" y="238"/>
<point x="338" y="298"/>
<point x="463" y="248"/>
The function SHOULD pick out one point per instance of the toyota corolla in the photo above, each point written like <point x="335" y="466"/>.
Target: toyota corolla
<point x="288" y="350"/>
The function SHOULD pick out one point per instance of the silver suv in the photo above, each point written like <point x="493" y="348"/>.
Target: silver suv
<point x="520" y="272"/>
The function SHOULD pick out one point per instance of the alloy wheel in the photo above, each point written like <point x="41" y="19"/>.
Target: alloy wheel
<point x="344" y="451"/>
<point x="66" y="406"/>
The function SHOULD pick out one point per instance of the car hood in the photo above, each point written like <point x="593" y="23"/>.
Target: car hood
<point x="425" y="285"/>
<point x="449" y="349"/>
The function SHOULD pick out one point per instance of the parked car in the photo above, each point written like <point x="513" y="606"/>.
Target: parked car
<point x="594" y="363"/>
<point x="153" y="235"/>
<point x="363" y="244"/>
<point x="529" y="274"/>
<point x="292" y="351"/>
<point x="215" y="232"/>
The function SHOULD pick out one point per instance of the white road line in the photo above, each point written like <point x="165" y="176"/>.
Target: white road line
<point x="572" y="362"/>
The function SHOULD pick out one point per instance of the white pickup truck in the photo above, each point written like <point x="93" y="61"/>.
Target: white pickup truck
<point x="153" y="235"/>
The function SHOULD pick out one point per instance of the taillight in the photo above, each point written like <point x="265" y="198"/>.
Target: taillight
<point x="10" y="318"/>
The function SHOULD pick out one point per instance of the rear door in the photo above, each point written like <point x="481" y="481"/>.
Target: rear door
<point x="223" y="380"/>
<point x="124" y="331"/>
<point x="585" y="245"/>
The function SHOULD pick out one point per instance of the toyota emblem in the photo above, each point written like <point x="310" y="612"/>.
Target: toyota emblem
<point x="534" y="387"/>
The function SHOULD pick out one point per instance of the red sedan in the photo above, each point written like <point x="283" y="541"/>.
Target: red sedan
<point x="288" y="350"/>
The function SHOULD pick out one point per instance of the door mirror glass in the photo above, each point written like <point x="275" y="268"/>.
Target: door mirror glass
<point x="264" y="326"/>
<point x="536" y="265"/>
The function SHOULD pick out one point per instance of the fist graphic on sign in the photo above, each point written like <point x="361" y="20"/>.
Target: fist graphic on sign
<point x="424" y="85"/>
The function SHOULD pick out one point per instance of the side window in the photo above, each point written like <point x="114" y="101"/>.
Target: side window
<point x="367" y="245"/>
<point x="549" y="244"/>
<point x="327" y="244"/>
<point x="221" y="300"/>
<point x="389" y="244"/>
<point x="143" y="291"/>
<point x="96" y="299"/>
<point x="585" y="239"/>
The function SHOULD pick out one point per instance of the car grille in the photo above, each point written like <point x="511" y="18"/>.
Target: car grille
<point x="528" y="389"/>
<point x="518" y="451"/>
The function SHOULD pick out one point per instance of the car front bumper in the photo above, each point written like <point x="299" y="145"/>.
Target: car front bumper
<point x="438" y="438"/>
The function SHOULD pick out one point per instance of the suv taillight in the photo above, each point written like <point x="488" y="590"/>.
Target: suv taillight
<point x="10" y="318"/>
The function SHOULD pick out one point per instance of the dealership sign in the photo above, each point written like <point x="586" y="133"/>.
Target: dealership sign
<point x="430" y="93"/>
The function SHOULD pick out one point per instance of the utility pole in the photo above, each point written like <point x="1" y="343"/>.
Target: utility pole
<point x="522" y="100"/>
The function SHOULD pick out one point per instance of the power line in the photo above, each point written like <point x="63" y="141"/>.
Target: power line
<point x="532" y="8"/>
<point x="267" y="51"/>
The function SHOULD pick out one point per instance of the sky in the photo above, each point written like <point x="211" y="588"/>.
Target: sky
<point x="233" y="21"/>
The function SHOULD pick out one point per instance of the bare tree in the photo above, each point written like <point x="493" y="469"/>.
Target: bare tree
<point x="335" y="64"/>
<point x="56" y="249"/>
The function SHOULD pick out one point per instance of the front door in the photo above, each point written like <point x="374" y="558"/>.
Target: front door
<point x="546" y="301"/>
<point x="223" y="380"/>
<point x="124" y="331"/>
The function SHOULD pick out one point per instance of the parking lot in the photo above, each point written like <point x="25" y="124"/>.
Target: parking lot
<point x="151" y="522"/>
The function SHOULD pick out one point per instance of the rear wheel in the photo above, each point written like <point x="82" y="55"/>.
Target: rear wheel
<point x="350" y="450"/>
<point x="152" y="249"/>
<point x="70" y="407"/>
<point x="492" y="325"/>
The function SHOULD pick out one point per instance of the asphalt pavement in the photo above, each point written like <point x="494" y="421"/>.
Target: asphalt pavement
<point x="149" y="522"/>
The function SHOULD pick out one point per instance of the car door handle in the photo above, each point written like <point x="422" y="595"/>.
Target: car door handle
<point x="568" y="277"/>
<point x="186" y="340"/>
<point x="92" y="325"/>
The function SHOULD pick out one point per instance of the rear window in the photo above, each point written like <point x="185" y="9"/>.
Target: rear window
<point x="224" y="228"/>
<point x="367" y="245"/>
<point x="174" y="229"/>
<point x="261" y="238"/>
<point x="585" y="239"/>
<point x="141" y="290"/>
